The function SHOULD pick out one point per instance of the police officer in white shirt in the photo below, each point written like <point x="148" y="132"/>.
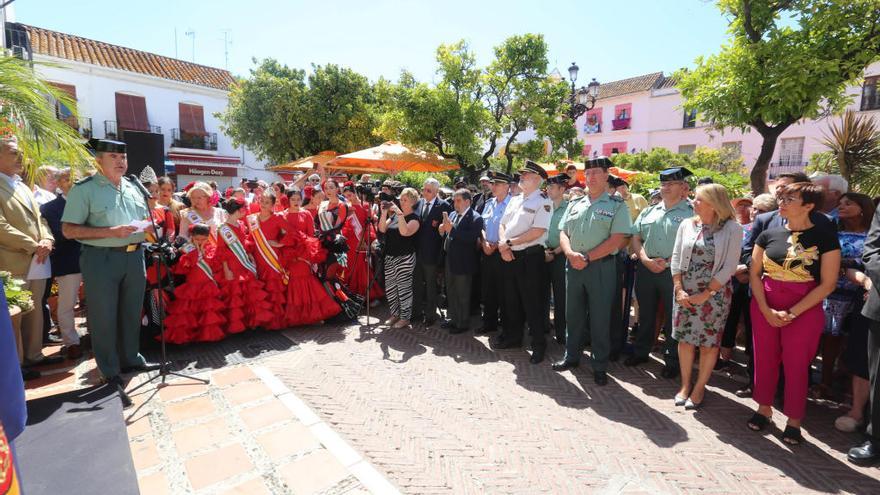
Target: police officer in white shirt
<point x="522" y="237"/>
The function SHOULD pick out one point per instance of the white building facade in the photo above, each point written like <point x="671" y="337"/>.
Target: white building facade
<point x="119" y="90"/>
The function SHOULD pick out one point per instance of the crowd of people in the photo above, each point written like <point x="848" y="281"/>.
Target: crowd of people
<point x="576" y="257"/>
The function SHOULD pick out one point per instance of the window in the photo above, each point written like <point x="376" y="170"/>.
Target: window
<point x="131" y="113"/>
<point x="609" y="149"/>
<point x="690" y="119"/>
<point x="61" y="110"/>
<point x="791" y="152"/>
<point x="192" y="120"/>
<point x="733" y="149"/>
<point x="593" y="121"/>
<point x="687" y="149"/>
<point x="870" y="96"/>
<point x="622" y="117"/>
<point x="586" y="150"/>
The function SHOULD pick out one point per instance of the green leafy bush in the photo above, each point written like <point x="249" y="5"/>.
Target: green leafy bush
<point x="16" y="294"/>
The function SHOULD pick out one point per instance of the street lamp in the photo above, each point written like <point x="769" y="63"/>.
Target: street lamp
<point x="583" y="99"/>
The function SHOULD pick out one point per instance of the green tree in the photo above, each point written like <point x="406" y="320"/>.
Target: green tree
<point x="282" y="115"/>
<point x="786" y="60"/>
<point x="854" y="152"/>
<point x="27" y="104"/>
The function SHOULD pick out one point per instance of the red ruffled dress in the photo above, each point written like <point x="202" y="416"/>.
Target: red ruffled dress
<point x="358" y="234"/>
<point x="307" y="300"/>
<point x="276" y="289"/>
<point x="196" y="313"/>
<point x="246" y="302"/>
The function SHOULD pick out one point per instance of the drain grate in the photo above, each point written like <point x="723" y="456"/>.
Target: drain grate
<point x="235" y="349"/>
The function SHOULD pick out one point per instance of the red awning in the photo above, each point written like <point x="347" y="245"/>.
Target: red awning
<point x="192" y="120"/>
<point x="131" y="113"/>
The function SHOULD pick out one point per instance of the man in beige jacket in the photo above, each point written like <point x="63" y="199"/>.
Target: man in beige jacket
<point x="24" y="238"/>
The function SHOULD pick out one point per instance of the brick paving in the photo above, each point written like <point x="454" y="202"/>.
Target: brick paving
<point x="440" y="413"/>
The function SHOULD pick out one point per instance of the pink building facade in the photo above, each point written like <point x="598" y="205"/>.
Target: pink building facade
<point x="645" y="112"/>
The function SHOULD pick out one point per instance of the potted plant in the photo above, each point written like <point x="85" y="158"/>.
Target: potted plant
<point x="19" y="299"/>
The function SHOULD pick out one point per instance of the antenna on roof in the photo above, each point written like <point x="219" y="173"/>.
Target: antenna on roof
<point x="192" y="34"/>
<point x="227" y="40"/>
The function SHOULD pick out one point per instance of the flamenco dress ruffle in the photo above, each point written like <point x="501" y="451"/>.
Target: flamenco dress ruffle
<point x="307" y="300"/>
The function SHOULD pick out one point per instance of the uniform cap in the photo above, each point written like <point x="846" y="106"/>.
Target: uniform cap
<point x="106" y="146"/>
<point x="560" y="179"/>
<point x="533" y="168"/>
<point x="675" y="173"/>
<point x="602" y="162"/>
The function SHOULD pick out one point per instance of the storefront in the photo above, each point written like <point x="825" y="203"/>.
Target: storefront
<point x="224" y="170"/>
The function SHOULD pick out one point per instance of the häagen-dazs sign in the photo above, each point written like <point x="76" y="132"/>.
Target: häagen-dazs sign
<point x="206" y="170"/>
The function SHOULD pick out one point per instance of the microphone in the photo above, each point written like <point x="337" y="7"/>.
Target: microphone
<point x="137" y="183"/>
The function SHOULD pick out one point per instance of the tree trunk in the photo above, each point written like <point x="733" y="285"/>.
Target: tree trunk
<point x="762" y="164"/>
<point x="507" y="153"/>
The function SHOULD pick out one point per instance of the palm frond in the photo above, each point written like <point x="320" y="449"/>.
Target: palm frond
<point x="855" y="146"/>
<point x="28" y="103"/>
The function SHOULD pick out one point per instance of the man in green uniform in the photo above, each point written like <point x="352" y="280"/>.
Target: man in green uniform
<point x="555" y="259"/>
<point x="653" y="240"/>
<point x="591" y="232"/>
<point x="102" y="213"/>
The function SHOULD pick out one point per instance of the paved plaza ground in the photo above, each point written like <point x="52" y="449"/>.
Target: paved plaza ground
<point x="358" y="410"/>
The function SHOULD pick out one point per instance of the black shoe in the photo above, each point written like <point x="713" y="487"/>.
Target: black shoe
<point x="29" y="374"/>
<point x="564" y="365"/>
<point x="52" y="339"/>
<point x="457" y="330"/>
<point x="537" y="356"/>
<point x="446" y="325"/>
<point x="635" y="360"/>
<point x="560" y="339"/>
<point x="744" y="392"/>
<point x="600" y="378"/>
<point x="430" y="321"/>
<point x="614" y="357"/>
<point x="484" y="331"/>
<point x="721" y="364"/>
<point x="670" y="372"/>
<point x="865" y="454"/>
<point x="140" y="368"/>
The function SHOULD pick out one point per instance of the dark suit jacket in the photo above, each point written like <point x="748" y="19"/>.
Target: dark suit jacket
<point x="462" y="255"/>
<point x="429" y="243"/>
<point x="871" y="257"/>
<point x="771" y="220"/>
<point x="479" y="202"/>
<point x="65" y="256"/>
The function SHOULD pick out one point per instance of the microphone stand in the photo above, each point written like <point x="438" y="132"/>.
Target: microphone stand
<point x="368" y="259"/>
<point x="161" y="260"/>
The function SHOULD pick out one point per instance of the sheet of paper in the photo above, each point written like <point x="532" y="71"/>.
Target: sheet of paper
<point x="39" y="271"/>
<point x="140" y="225"/>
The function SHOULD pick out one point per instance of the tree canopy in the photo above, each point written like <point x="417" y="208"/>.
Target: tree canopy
<point x="786" y="60"/>
<point x="282" y="115"/>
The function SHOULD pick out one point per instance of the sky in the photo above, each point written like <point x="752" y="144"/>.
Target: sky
<point x="609" y="40"/>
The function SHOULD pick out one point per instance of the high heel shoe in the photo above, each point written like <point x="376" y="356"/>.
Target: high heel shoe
<point x="680" y="401"/>
<point x="690" y="405"/>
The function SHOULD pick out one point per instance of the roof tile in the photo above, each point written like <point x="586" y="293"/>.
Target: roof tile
<point x="77" y="48"/>
<point x="630" y="85"/>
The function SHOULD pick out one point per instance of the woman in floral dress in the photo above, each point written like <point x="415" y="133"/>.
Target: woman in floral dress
<point x="705" y="256"/>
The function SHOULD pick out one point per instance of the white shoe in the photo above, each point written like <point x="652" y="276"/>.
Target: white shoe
<point x="847" y="424"/>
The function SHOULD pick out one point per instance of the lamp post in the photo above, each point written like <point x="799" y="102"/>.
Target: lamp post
<point x="580" y="100"/>
<point x="583" y="99"/>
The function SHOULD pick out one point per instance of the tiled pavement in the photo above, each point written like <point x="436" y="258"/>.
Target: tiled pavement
<point x="436" y="413"/>
<point x="442" y="413"/>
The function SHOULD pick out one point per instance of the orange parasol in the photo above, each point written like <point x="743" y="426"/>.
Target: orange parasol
<point x="393" y="157"/>
<point x="305" y="164"/>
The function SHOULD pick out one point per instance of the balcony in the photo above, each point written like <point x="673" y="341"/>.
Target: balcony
<point x="620" y="124"/>
<point x="184" y="140"/>
<point x="594" y="128"/>
<point x="111" y="131"/>
<point x="84" y="126"/>
<point x="785" y="166"/>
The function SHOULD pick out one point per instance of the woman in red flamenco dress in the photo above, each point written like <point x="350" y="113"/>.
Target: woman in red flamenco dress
<point x="195" y="314"/>
<point x="307" y="300"/>
<point x="266" y="230"/>
<point x="246" y="301"/>
<point x="359" y="232"/>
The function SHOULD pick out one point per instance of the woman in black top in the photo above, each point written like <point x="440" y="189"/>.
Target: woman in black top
<point x="794" y="268"/>
<point x="399" y="224"/>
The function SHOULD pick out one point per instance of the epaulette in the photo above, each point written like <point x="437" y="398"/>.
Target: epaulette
<point x="544" y="195"/>
<point x="84" y="179"/>
<point x="616" y="198"/>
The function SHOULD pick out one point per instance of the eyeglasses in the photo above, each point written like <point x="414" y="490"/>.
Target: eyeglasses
<point x="787" y="199"/>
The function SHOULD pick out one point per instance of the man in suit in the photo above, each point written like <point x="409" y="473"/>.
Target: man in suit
<point x="65" y="268"/>
<point x="462" y="230"/>
<point x="483" y="196"/>
<point x="869" y="451"/>
<point x="429" y="251"/>
<point x="24" y="238"/>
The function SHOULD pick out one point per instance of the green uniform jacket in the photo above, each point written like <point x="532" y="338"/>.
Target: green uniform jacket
<point x="96" y="202"/>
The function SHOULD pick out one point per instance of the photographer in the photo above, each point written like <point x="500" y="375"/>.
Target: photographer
<point x="360" y="231"/>
<point x="399" y="224"/>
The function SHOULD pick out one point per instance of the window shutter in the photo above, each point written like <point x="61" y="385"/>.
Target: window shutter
<point x="192" y="120"/>
<point x="131" y="113"/>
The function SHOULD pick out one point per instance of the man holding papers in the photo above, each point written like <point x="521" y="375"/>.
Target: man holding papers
<point x="25" y="244"/>
<point x="102" y="212"/>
